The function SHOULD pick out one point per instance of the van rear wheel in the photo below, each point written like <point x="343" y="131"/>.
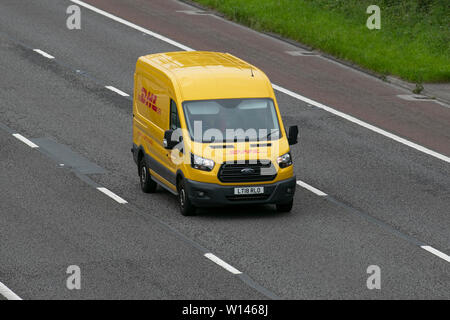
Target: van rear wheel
<point x="147" y="184"/>
<point x="186" y="206"/>
<point x="285" y="207"/>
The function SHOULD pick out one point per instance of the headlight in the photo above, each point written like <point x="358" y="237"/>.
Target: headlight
<point x="285" y="160"/>
<point x="201" y="163"/>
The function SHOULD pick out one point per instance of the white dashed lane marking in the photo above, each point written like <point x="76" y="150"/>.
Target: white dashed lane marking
<point x="436" y="253"/>
<point x="123" y="94"/>
<point x="222" y="263"/>
<point x="45" y="54"/>
<point x="112" y="195"/>
<point x="311" y="188"/>
<point x="25" y="140"/>
<point x="7" y="293"/>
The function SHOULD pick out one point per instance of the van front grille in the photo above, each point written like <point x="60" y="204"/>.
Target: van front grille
<point x="248" y="171"/>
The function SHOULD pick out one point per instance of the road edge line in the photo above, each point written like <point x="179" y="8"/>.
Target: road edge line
<point x="363" y="124"/>
<point x="278" y="88"/>
<point x="132" y="25"/>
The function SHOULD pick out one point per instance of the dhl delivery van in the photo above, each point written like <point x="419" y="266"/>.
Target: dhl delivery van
<point x="206" y="127"/>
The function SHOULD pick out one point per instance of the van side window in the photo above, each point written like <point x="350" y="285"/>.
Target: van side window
<point x="174" y="119"/>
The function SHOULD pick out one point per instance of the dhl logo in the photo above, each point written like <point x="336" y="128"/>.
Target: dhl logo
<point x="149" y="99"/>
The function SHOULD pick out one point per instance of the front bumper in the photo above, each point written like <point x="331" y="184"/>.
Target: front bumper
<point x="218" y="195"/>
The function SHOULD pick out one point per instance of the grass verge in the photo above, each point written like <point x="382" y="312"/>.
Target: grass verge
<point x="413" y="42"/>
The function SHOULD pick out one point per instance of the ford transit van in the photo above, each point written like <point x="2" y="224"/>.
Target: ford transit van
<point x="207" y="128"/>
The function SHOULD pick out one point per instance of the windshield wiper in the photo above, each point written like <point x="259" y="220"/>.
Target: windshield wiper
<point x="267" y="136"/>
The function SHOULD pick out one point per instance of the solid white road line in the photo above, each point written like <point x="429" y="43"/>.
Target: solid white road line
<point x="222" y="263"/>
<point x="7" y="293"/>
<point x="112" y="195"/>
<point x="25" y="140"/>
<point x="311" y="188"/>
<point x="45" y="54"/>
<point x="276" y="87"/>
<point x="436" y="252"/>
<point x="123" y="94"/>
<point x="363" y="124"/>
<point x="132" y="25"/>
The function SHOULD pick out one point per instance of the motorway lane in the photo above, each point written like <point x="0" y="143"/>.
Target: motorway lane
<point x="388" y="187"/>
<point x="392" y="182"/>
<point x="319" y="251"/>
<point x="50" y="219"/>
<point x="42" y="24"/>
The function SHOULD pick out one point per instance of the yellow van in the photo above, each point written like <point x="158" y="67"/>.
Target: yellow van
<point x="207" y="128"/>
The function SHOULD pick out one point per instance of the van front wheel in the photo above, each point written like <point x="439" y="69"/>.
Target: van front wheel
<point x="285" y="207"/>
<point x="147" y="184"/>
<point x="186" y="207"/>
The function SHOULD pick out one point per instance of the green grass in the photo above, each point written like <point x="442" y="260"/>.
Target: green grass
<point x="413" y="42"/>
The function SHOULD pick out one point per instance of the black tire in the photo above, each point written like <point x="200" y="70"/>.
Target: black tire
<point x="186" y="206"/>
<point x="147" y="184"/>
<point x="285" y="207"/>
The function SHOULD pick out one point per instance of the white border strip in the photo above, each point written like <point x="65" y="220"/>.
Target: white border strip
<point x="112" y="195"/>
<point x="311" y="188"/>
<point x="45" y="54"/>
<point x="7" y="293"/>
<point x="123" y="94"/>
<point x="132" y="25"/>
<point x="276" y="87"/>
<point x="222" y="263"/>
<point x="436" y="253"/>
<point x="25" y="140"/>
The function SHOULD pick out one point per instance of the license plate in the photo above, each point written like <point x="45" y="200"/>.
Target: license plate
<point x="248" y="190"/>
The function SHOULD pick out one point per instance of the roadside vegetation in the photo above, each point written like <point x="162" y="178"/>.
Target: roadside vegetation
<point x="413" y="42"/>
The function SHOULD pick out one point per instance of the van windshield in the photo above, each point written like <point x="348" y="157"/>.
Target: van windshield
<point x="232" y="120"/>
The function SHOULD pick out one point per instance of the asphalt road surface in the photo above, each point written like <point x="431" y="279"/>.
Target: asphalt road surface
<point x="69" y="194"/>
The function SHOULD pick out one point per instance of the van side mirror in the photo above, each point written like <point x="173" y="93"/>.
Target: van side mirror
<point x="293" y="135"/>
<point x="172" y="138"/>
<point x="168" y="141"/>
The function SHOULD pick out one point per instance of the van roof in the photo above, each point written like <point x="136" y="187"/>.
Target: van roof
<point x="202" y="75"/>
